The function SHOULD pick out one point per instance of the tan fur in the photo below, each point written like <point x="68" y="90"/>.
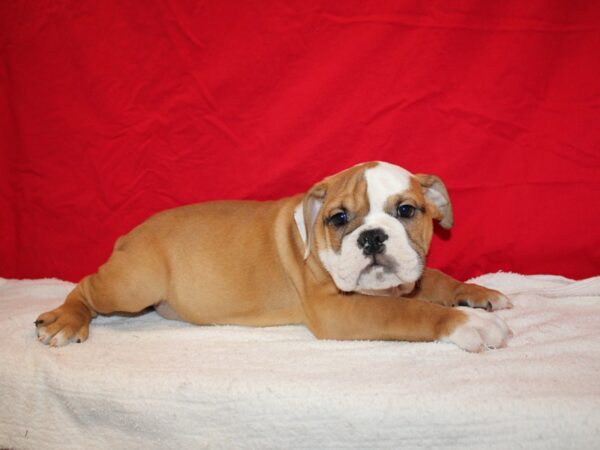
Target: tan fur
<point x="346" y="190"/>
<point x="437" y="287"/>
<point x="242" y="262"/>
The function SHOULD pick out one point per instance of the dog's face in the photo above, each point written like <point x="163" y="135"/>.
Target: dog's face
<point x="371" y="225"/>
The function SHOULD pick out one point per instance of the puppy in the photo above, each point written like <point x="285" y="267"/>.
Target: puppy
<point x="346" y="259"/>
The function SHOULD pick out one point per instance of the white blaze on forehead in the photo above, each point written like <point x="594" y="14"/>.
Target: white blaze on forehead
<point x="385" y="180"/>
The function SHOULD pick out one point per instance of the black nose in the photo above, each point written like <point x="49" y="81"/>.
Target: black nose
<point x="371" y="241"/>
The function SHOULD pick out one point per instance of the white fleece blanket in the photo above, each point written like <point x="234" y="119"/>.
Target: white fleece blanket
<point x="149" y="383"/>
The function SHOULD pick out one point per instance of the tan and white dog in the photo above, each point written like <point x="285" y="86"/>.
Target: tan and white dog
<point x="347" y="259"/>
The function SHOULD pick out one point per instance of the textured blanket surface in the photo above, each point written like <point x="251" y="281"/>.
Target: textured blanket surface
<point x="145" y="382"/>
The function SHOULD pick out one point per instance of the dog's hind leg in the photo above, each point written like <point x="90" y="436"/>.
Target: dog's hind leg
<point x="129" y="282"/>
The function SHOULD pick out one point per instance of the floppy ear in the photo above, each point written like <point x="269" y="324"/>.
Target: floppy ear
<point x="437" y="198"/>
<point x="307" y="215"/>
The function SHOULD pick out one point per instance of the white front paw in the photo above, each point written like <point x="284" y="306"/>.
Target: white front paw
<point x="481" y="331"/>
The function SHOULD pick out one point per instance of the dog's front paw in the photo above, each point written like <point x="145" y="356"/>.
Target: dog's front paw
<point x="481" y="331"/>
<point x="477" y="296"/>
<point x="63" y="325"/>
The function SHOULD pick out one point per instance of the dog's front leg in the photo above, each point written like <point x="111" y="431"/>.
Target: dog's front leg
<point x="364" y="317"/>
<point x="437" y="287"/>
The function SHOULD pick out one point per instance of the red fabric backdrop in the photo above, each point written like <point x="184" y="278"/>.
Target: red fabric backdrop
<point x="113" y="110"/>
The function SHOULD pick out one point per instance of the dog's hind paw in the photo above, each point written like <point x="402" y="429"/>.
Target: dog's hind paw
<point x="63" y="325"/>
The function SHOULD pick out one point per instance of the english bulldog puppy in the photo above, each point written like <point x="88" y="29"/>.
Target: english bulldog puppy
<point x="346" y="259"/>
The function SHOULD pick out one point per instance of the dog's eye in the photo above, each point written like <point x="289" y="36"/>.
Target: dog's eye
<point x="406" y="211"/>
<point x="339" y="219"/>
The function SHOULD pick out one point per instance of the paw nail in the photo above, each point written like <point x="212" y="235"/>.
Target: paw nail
<point x="489" y="307"/>
<point x="79" y="341"/>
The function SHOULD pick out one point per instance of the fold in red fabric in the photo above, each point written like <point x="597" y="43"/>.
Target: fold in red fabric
<point x="114" y="110"/>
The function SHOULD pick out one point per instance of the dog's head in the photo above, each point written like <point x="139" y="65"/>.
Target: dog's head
<point x="371" y="225"/>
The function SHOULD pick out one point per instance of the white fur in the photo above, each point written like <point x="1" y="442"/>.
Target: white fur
<point x="481" y="331"/>
<point x="300" y="224"/>
<point x="299" y="218"/>
<point x="436" y="198"/>
<point x="59" y="339"/>
<point x="384" y="180"/>
<point x="42" y="335"/>
<point x="350" y="267"/>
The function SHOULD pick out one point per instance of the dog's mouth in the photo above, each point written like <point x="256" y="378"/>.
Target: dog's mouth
<point x="382" y="262"/>
<point x="380" y="272"/>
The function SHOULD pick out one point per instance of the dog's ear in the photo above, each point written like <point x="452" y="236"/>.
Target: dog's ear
<point x="437" y="198"/>
<point x="307" y="215"/>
